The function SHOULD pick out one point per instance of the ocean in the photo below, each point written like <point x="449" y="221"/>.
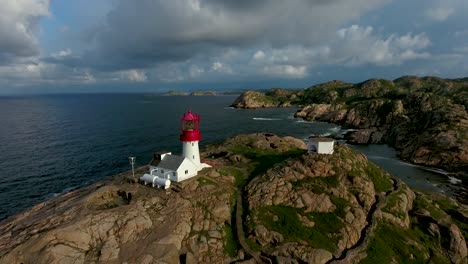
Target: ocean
<point x="52" y="144"/>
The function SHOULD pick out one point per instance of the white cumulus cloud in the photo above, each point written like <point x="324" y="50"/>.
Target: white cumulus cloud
<point x="134" y="75"/>
<point x="19" y="24"/>
<point x="286" y="71"/>
<point x="221" y="67"/>
<point x="360" y="45"/>
<point x="259" y="55"/>
<point x="440" y="13"/>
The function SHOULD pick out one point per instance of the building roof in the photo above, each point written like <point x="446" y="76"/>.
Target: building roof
<point x="154" y="162"/>
<point x="162" y="152"/>
<point x="170" y="162"/>
<point x="322" y="139"/>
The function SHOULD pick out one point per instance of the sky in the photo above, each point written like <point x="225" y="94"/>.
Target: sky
<point x="57" y="46"/>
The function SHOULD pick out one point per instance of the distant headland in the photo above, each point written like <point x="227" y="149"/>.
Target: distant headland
<point x="201" y="93"/>
<point x="426" y="118"/>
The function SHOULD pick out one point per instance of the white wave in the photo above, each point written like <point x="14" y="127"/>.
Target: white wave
<point x="304" y="121"/>
<point x="229" y="107"/>
<point x="376" y="157"/>
<point x="265" y="119"/>
<point x="454" y="180"/>
<point x="405" y="163"/>
<point x="438" y="171"/>
<point x="67" y="190"/>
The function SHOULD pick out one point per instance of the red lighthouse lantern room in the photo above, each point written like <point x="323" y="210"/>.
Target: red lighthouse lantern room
<point x="190" y="126"/>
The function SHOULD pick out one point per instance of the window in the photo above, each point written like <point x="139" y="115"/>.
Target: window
<point x="174" y="174"/>
<point x="193" y="156"/>
<point x="162" y="171"/>
<point x="186" y="171"/>
<point x="192" y="144"/>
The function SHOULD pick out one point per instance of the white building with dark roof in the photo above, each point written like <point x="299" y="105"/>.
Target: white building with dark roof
<point x="166" y="168"/>
<point x="172" y="167"/>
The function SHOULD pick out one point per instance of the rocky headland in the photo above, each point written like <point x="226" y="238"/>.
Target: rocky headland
<point x="264" y="200"/>
<point x="426" y="119"/>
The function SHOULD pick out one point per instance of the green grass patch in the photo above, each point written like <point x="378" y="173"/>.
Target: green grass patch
<point x="340" y="204"/>
<point x="205" y="181"/>
<point x="238" y="175"/>
<point x="382" y="182"/>
<point x="252" y="245"/>
<point x="265" y="159"/>
<point x="392" y="202"/>
<point x="317" y="185"/>
<point x="231" y="245"/>
<point x="451" y="208"/>
<point x="392" y="244"/>
<point x="421" y="202"/>
<point x="108" y="205"/>
<point x="323" y="235"/>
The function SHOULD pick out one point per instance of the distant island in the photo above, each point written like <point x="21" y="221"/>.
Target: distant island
<point x="425" y="118"/>
<point x="264" y="200"/>
<point x="200" y="93"/>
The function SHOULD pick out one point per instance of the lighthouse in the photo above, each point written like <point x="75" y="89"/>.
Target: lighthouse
<point x="165" y="168"/>
<point x="190" y="126"/>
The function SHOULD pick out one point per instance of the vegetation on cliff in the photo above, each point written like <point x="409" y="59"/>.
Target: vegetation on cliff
<point x="264" y="198"/>
<point x="425" y="118"/>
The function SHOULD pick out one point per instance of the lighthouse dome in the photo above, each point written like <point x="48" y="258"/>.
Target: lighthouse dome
<point x="190" y="126"/>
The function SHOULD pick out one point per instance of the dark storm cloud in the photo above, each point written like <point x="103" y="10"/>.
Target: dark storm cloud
<point x="138" y="34"/>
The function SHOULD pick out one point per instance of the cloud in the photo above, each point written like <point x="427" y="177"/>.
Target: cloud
<point x="440" y="13"/>
<point x="134" y="75"/>
<point x="461" y="33"/>
<point x="221" y="67"/>
<point x="159" y="41"/>
<point x="286" y="71"/>
<point x="19" y="24"/>
<point x="259" y="55"/>
<point x="61" y="53"/>
<point x="352" y="46"/>
<point x="142" y="34"/>
<point x="359" y="45"/>
<point x="461" y="49"/>
<point x="195" y="71"/>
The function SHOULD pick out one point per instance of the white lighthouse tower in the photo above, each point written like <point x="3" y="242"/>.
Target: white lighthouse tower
<point x="190" y="126"/>
<point x="166" y="168"/>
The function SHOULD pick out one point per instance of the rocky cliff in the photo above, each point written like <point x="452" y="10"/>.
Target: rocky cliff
<point x="274" y="98"/>
<point x="425" y="118"/>
<point x="265" y="200"/>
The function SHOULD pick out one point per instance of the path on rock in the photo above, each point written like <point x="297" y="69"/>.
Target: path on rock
<point x="352" y="254"/>
<point x="240" y="230"/>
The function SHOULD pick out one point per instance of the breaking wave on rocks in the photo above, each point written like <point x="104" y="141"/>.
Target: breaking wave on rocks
<point x="454" y="180"/>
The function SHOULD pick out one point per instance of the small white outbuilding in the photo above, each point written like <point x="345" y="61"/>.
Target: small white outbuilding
<point x="321" y="145"/>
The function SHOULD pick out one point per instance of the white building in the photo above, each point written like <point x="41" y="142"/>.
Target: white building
<point x="172" y="167"/>
<point x="166" y="166"/>
<point x="321" y="145"/>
